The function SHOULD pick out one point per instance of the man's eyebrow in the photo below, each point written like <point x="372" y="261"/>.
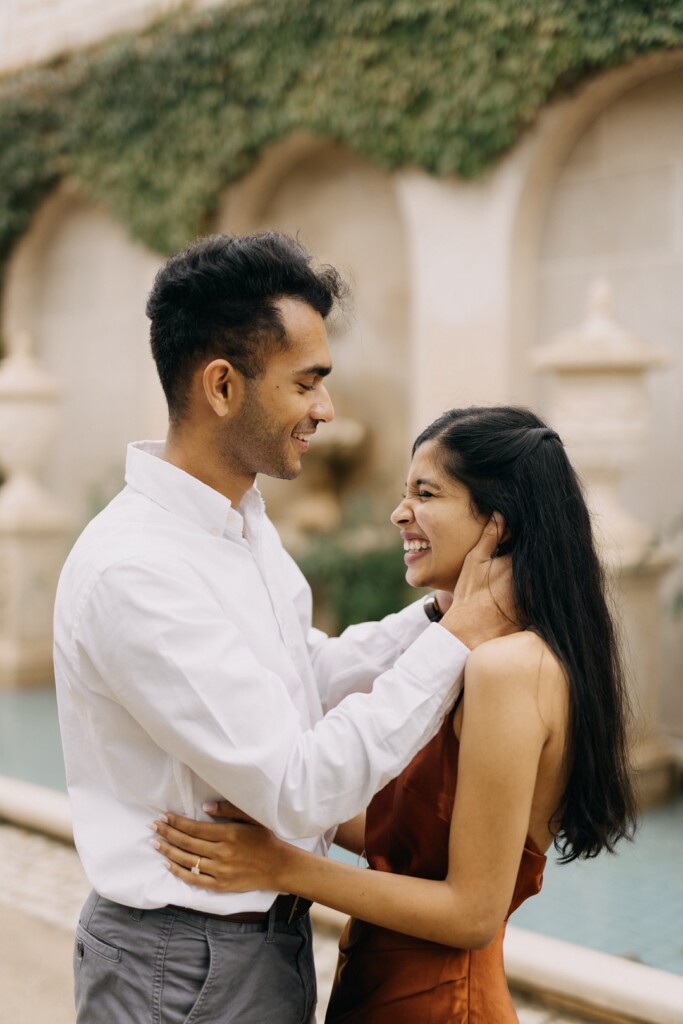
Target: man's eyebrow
<point x="313" y="371"/>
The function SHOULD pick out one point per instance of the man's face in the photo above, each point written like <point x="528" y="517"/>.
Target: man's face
<point x="281" y="410"/>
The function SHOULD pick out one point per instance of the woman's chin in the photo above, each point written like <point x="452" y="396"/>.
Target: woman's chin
<point x="418" y="580"/>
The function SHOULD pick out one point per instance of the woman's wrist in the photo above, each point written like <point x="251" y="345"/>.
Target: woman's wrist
<point x="284" y="872"/>
<point x="298" y="870"/>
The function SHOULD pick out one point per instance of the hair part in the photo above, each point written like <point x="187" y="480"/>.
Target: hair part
<point x="218" y="299"/>
<point x="513" y="463"/>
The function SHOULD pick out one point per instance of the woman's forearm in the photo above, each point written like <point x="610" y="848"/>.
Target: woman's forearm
<point x="432" y="910"/>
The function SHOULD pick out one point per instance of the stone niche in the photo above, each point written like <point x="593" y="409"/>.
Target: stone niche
<point x="77" y="384"/>
<point x="77" y="285"/>
<point x="614" y="212"/>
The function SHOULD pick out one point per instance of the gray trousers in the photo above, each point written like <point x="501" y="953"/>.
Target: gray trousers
<point x="169" y="967"/>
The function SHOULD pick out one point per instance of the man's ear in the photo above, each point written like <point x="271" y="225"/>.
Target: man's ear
<point x="223" y="387"/>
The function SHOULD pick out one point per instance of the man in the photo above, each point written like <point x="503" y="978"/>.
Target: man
<point x="187" y="668"/>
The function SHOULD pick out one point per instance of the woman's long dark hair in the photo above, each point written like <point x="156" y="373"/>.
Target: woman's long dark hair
<point x="514" y="464"/>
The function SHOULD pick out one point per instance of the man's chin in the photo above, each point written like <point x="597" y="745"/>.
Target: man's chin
<point x="284" y="472"/>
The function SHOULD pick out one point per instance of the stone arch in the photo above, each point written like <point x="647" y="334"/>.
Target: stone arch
<point x="615" y="149"/>
<point x="634" y="245"/>
<point x="348" y="213"/>
<point x="546" y="152"/>
<point x="76" y="284"/>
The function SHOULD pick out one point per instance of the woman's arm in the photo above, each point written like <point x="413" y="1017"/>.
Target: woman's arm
<point x="351" y="835"/>
<point x="500" y="748"/>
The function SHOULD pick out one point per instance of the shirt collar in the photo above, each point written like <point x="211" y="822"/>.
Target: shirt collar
<point x="183" y="494"/>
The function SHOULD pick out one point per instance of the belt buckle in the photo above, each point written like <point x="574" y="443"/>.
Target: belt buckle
<point x="295" y="904"/>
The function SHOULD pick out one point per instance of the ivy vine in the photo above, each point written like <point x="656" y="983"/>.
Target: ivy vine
<point x="155" y="124"/>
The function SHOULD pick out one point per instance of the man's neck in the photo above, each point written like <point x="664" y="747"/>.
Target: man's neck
<point x="195" y="456"/>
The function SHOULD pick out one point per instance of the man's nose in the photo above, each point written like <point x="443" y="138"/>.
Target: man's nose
<point x="323" y="410"/>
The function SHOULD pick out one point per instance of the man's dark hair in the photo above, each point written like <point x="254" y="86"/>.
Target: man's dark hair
<point x="514" y="464"/>
<point x="216" y="299"/>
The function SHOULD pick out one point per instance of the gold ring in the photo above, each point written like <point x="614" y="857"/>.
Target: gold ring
<point x="195" y="869"/>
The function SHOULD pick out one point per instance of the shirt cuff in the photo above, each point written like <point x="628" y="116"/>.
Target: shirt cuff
<point x="410" y="623"/>
<point x="436" y="653"/>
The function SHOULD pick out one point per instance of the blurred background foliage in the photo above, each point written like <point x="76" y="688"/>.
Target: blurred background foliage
<point x="155" y="124"/>
<point x="351" y="584"/>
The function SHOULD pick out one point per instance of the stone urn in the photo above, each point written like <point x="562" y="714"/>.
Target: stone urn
<point x="33" y="526"/>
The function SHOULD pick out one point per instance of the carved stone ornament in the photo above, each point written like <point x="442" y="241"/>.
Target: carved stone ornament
<point x="33" y="527"/>
<point x="600" y="406"/>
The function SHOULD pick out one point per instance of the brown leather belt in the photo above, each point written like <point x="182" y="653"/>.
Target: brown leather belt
<point x="288" y="908"/>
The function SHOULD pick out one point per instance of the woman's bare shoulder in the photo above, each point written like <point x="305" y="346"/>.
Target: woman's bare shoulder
<point x="514" y="682"/>
<point x="520" y="658"/>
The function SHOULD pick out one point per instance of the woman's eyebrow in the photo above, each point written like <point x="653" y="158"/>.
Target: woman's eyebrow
<point x="424" y="480"/>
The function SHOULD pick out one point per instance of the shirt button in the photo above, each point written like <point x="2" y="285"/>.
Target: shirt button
<point x="215" y="532"/>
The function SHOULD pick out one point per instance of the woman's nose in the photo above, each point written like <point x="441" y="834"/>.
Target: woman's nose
<point x="402" y="514"/>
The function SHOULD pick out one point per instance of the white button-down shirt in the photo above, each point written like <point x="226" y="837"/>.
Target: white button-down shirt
<point x="187" y="670"/>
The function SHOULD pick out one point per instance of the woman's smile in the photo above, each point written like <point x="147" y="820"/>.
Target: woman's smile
<point x="414" y="547"/>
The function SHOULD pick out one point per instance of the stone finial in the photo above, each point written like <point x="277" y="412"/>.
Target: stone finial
<point x="600" y="406"/>
<point x="598" y="342"/>
<point x="21" y="375"/>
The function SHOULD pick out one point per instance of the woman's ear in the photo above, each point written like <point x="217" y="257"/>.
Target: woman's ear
<point x="504" y="536"/>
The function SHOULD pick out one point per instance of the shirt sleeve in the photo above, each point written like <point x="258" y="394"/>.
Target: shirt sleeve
<point x="151" y="637"/>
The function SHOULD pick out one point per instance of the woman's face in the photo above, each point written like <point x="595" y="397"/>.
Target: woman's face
<point x="437" y="522"/>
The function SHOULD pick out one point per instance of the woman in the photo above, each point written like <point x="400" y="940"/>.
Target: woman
<point x="534" y="755"/>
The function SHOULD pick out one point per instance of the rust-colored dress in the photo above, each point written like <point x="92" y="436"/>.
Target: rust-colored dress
<point x="384" y="977"/>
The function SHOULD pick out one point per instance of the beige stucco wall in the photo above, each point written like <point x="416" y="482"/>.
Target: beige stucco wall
<point x="33" y="30"/>
<point x="459" y="240"/>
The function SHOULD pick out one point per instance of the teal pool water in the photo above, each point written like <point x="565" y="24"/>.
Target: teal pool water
<point x="629" y="904"/>
<point x="30" y="747"/>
